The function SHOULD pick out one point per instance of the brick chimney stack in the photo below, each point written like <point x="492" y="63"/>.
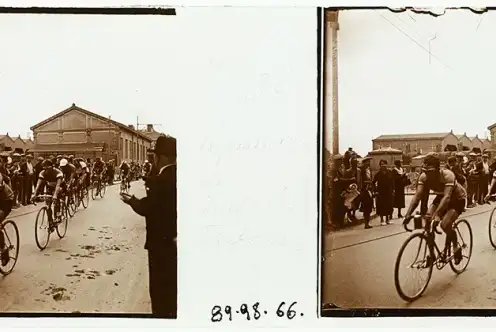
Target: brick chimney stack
<point x="149" y="128"/>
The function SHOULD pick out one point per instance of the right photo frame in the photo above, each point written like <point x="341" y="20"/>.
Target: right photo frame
<point x="409" y="162"/>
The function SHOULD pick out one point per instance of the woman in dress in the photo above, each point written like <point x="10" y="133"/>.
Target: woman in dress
<point x="400" y="181"/>
<point x="384" y="185"/>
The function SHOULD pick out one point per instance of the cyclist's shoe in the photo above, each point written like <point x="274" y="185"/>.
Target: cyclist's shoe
<point x="458" y="255"/>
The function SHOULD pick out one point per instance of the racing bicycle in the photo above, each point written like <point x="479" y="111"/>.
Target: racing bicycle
<point x="98" y="187"/>
<point x="59" y="222"/>
<point x="426" y="255"/>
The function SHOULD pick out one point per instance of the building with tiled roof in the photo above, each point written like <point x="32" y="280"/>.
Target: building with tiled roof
<point x="151" y="133"/>
<point x="85" y="134"/>
<point x="420" y="143"/>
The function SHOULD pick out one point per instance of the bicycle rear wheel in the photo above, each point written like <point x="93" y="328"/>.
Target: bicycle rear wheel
<point x="492" y="228"/>
<point x="423" y="259"/>
<point x="64" y="220"/>
<point x="464" y="238"/>
<point x="11" y="246"/>
<point x="103" y="189"/>
<point x="85" y="199"/>
<point x="71" y="205"/>
<point x="41" y="227"/>
<point x="94" y="190"/>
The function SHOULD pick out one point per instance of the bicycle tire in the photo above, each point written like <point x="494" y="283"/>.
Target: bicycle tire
<point x="94" y="188"/>
<point x="85" y="198"/>
<point x="492" y="237"/>
<point x="399" y="290"/>
<point x="103" y="189"/>
<point x="64" y="221"/>
<point x="71" y="205"/>
<point x="452" y="264"/>
<point x="4" y="271"/>
<point x="38" y="242"/>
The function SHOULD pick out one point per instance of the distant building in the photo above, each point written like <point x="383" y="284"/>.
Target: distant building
<point x="151" y="133"/>
<point x="17" y="144"/>
<point x="476" y="142"/>
<point x="464" y="142"/>
<point x="420" y="143"/>
<point x="85" y="134"/>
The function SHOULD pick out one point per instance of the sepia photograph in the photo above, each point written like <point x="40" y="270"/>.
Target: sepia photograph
<point x="88" y="164"/>
<point x="409" y="167"/>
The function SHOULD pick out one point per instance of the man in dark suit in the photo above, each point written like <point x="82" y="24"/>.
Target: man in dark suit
<point x="159" y="209"/>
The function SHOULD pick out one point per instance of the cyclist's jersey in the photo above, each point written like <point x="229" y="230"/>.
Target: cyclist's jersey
<point x="67" y="171"/>
<point x="124" y="168"/>
<point x="447" y="179"/>
<point x="98" y="167"/>
<point x="51" y="175"/>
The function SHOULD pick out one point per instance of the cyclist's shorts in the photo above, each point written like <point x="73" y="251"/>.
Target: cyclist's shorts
<point x="50" y="190"/>
<point x="455" y="204"/>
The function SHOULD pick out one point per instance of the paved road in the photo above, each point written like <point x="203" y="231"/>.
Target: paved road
<point x="359" y="269"/>
<point x="100" y="266"/>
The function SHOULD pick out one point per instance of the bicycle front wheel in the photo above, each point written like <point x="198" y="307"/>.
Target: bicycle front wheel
<point x="11" y="248"/>
<point x="415" y="256"/>
<point x="41" y="228"/>
<point x="492" y="228"/>
<point x="464" y="239"/>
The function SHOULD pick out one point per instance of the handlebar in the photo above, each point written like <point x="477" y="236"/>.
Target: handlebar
<point x="44" y="196"/>
<point x="407" y="220"/>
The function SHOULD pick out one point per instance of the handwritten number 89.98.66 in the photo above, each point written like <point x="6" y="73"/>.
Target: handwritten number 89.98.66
<point x="255" y="312"/>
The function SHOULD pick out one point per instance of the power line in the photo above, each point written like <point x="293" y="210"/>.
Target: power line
<point x="416" y="42"/>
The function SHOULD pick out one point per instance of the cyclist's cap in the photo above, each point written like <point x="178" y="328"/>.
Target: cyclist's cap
<point x="83" y="164"/>
<point x="71" y="156"/>
<point x="366" y="159"/>
<point x="63" y="162"/>
<point x="485" y="155"/>
<point x="472" y="154"/>
<point x="460" y="154"/>
<point x="60" y="156"/>
<point x="47" y="163"/>
<point x="16" y="155"/>
<point x="337" y="157"/>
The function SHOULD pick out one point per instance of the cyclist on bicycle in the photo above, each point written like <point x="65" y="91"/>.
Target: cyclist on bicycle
<point x="125" y="170"/>
<point x="69" y="172"/>
<point x="98" y="167"/>
<point x="6" y="203"/>
<point x="51" y="177"/>
<point x="449" y="202"/>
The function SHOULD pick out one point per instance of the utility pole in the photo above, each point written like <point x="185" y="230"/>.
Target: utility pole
<point x="331" y="77"/>
<point x="109" y="138"/>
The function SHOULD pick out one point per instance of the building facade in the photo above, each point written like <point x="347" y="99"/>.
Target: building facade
<point x="151" y="133"/>
<point x="476" y="142"/>
<point x="85" y="134"/>
<point x="16" y="144"/>
<point x="419" y="143"/>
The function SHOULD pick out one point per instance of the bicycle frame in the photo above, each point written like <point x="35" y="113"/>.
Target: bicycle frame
<point x="439" y="260"/>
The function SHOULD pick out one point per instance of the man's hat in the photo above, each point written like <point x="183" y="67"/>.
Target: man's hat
<point x="337" y="157"/>
<point x="165" y="146"/>
<point x="485" y="155"/>
<point x="460" y="154"/>
<point x="366" y="159"/>
<point x="472" y="154"/>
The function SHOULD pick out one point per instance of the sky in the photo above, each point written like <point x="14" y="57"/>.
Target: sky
<point x="388" y="84"/>
<point x="160" y="68"/>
